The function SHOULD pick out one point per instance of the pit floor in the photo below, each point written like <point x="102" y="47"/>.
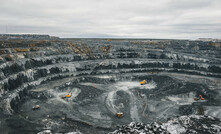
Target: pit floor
<point x="96" y="99"/>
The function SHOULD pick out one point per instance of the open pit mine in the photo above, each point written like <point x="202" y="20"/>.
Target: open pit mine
<point x="110" y="86"/>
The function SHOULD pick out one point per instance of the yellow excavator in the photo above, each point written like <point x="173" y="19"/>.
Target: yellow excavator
<point x="68" y="95"/>
<point x="143" y="82"/>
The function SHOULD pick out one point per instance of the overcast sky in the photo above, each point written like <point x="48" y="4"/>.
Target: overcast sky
<point x="183" y="19"/>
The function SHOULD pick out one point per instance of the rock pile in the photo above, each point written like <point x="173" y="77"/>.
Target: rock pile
<point x="141" y="128"/>
<point x="195" y="124"/>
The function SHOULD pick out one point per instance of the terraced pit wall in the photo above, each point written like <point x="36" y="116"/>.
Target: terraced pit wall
<point x="26" y="64"/>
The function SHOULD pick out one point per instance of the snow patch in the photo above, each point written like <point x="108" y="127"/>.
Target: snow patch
<point x="126" y="85"/>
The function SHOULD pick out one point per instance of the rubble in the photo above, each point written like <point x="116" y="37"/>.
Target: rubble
<point x="179" y="125"/>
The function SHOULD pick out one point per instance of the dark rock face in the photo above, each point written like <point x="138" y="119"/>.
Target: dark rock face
<point x="193" y="124"/>
<point x="103" y="77"/>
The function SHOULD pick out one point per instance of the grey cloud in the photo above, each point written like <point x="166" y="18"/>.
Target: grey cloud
<point x="115" y="18"/>
<point x="190" y="4"/>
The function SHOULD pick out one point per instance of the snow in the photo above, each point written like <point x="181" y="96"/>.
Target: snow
<point x="183" y="99"/>
<point x="126" y="85"/>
